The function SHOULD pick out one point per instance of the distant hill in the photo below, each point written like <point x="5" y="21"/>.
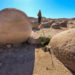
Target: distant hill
<point x="44" y="19"/>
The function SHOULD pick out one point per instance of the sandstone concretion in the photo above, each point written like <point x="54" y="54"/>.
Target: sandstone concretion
<point x="63" y="46"/>
<point x="14" y="26"/>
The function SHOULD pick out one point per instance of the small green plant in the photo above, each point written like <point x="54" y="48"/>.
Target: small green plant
<point x="44" y="40"/>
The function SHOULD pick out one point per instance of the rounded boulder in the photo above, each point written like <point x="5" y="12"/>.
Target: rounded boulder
<point x="63" y="46"/>
<point x="14" y="26"/>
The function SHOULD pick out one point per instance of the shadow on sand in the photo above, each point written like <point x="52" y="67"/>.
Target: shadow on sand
<point x="17" y="60"/>
<point x="73" y="72"/>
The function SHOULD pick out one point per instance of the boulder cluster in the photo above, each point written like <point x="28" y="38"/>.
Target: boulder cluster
<point x="56" y="24"/>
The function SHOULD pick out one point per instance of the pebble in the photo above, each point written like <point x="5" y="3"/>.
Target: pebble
<point x="8" y="45"/>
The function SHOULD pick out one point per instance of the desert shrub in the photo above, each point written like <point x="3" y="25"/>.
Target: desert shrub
<point x="44" y="40"/>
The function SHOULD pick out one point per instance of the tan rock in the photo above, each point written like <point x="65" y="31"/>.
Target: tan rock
<point x="63" y="24"/>
<point x="46" y="24"/>
<point x="14" y="26"/>
<point x="63" y="46"/>
<point x="58" y="24"/>
<point x="55" y="26"/>
<point x="34" y="41"/>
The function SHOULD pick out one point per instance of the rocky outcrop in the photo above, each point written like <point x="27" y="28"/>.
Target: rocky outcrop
<point x="58" y="24"/>
<point x="47" y="24"/>
<point x="14" y="26"/>
<point x="63" y="24"/>
<point x="55" y="26"/>
<point x="63" y="46"/>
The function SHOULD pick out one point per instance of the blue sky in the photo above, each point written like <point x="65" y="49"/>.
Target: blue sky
<point x="49" y="8"/>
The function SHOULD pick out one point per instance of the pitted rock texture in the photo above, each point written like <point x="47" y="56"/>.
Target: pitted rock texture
<point x="14" y="26"/>
<point x="63" y="46"/>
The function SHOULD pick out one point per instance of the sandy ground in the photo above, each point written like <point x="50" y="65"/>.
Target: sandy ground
<point x="47" y="32"/>
<point x="47" y="64"/>
<point x="27" y="59"/>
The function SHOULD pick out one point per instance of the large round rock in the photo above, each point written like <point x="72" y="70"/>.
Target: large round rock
<point x="63" y="46"/>
<point x="14" y="26"/>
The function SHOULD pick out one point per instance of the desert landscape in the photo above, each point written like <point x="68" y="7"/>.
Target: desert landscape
<point x="23" y="53"/>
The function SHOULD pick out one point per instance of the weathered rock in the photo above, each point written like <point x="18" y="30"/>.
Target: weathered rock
<point x="63" y="46"/>
<point x="63" y="24"/>
<point x="58" y="24"/>
<point x="8" y="45"/>
<point x="55" y="26"/>
<point x="34" y="41"/>
<point x="14" y="26"/>
<point x="47" y="24"/>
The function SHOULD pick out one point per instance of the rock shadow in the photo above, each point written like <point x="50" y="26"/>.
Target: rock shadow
<point x="17" y="60"/>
